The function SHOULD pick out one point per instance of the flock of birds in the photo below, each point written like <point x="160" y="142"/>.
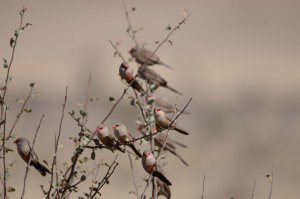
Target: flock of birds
<point x="121" y="135"/>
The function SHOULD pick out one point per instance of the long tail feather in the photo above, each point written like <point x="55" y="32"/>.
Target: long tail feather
<point x="40" y="168"/>
<point x="135" y="150"/>
<point x="172" y="89"/>
<point x="181" y="131"/>
<point x="161" y="177"/>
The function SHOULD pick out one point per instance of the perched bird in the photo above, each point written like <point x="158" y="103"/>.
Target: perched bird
<point x="144" y="56"/>
<point x="153" y="77"/>
<point x="123" y="135"/>
<point x="105" y="136"/>
<point x="126" y="73"/>
<point x="149" y="165"/>
<point x="29" y="156"/>
<point x="160" y="139"/>
<point x="163" y="104"/>
<point x="163" y="121"/>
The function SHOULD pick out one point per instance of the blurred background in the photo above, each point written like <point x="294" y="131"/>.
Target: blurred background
<point x="238" y="60"/>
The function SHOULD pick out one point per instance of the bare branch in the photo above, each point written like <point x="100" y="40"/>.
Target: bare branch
<point x="31" y="149"/>
<point x="253" y="189"/>
<point x="203" y="184"/>
<point x="131" y="32"/>
<point x="56" y="143"/>
<point x="271" y="182"/>
<point x="133" y="176"/>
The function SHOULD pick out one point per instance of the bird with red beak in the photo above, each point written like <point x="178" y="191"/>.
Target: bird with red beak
<point x="126" y="73"/>
<point x="124" y="137"/>
<point x="163" y="121"/>
<point x="149" y="165"/>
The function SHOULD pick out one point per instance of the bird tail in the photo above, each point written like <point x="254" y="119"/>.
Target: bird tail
<point x="181" y="131"/>
<point x="38" y="166"/>
<point x="134" y="84"/>
<point x="177" y="155"/>
<point x="168" y="66"/>
<point x="135" y="150"/>
<point x="161" y="177"/>
<point x="179" y="143"/>
<point x="172" y="89"/>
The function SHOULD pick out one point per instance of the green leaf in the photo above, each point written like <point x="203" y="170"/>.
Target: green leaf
<point x="28" y="110"/>
<point x="5" y="64"/>
<point x="83" y="178"/>
<point x="168" y="27"/>
<point x="82" y="113"/>
<point x="11" y="189"/>
<point x="12" y="42"/>
<point x="111" y="99"/>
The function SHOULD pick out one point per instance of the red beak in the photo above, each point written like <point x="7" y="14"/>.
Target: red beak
<point x="15" y="142"/>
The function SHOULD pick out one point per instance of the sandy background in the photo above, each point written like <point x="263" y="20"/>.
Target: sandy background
<point x="239" y="60"/>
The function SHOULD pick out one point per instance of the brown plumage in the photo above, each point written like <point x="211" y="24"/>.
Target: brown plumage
<point x="153" y="77"/>
<point x="163" y="121"/>
<point x="143" y="56"/>
<point x="159" y="140"/>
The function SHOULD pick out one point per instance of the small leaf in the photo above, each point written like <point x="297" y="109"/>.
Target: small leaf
<point x="72" y="113"/>
<point x="93" y="155"/>
<point x="94" y="99"/>
<point x="28" y="110"/>
<point x="20" y="101"/>
<point x="111" y="99"/>
<point x="170" y="42"/>
<point x="5" y="65"/>
<point x="12" y="42"/>
<point x="11" y="189"/>
<point x="32" y="84"/>
<point x="83" y="178"/>
<point x="168" y="27"/>
<point x="82" y="113"/>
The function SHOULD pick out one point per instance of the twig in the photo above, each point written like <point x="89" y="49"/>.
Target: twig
<point x="133" y="176"/>
<point x="147" y="184"/>
<point x="131" y="32"/>
<point x="253" y="189"/>
<point x="31" y="150"/>
<point x="117" y="51"/>
<point x="11" y="61"/>
<point x="203" y="184"/>
<point x="94" y="179"/>
<point x="56" y="143"/>
<point x="20" y="112"/>
<point x="84" y="118"/>
<point x="110" y="171"/>
<point x="271" y="182"/>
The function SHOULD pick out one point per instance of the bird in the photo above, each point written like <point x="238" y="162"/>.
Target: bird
<point x="160" y="139"/>
<point x="29" y="156"/>
<point x="144" y="56"/>
<point x="163" y="104"/>
<point x="123" y="135"/>
<point x="149" y="165"/>
<point x="105" y="136"/>
<point x="163" y="121"/>
<point x="153" y="77"/>
<point x="126" y="73"/>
